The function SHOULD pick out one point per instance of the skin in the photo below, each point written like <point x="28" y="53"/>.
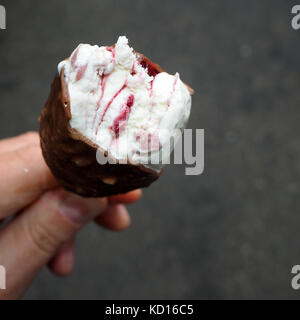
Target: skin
<point x="44" y="218"/>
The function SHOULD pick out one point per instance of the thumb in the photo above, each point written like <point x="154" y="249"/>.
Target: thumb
<point x="33" y="238"/>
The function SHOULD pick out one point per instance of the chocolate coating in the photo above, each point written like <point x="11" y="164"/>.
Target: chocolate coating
<point x="72" y="157"/>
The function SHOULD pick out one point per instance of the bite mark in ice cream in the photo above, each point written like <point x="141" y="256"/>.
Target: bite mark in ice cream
<point x="125" y="99"/>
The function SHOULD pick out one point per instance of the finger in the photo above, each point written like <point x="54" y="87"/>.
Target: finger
<point x="115" y="217"/>
<point x="126" y="198"/>
<point x="11" y="144"/>
<point x="24" y="176"/>
<point x="32" y="239"/>
<point x="62" y="263"/>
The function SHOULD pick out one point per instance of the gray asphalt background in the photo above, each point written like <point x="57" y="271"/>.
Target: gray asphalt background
<point x="233" y="232"/>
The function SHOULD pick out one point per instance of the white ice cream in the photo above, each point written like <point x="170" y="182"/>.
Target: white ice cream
<point x="117" y="104"/>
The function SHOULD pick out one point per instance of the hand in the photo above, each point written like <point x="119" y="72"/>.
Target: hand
<point x="46" y="218"/>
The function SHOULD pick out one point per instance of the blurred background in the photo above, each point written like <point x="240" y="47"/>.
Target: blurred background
<point x="232" y="232"/>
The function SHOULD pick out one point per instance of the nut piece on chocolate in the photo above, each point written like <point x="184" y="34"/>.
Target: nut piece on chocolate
<point x="114" y="103"/>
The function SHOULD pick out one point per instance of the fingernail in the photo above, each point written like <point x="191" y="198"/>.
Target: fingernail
<point x="80" y="210"/>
